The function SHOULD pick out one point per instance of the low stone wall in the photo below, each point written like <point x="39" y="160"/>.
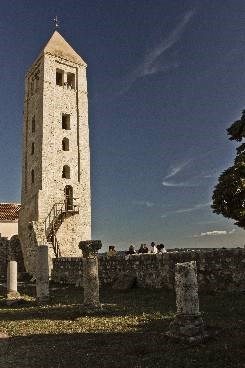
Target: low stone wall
<point x="219" y="269"/>
<point x="67" y="270"/>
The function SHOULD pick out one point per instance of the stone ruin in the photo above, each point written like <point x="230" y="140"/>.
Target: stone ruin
<point x="42" y="275"/>
<point x="90" y="273"/>
<point x="12" y="292"/>
<point x="188" y="324"/>
<point x="10" y="250"/>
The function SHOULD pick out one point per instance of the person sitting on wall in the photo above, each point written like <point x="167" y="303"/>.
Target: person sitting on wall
<point x="143" y="249"/>
<point x="111" y="252"/>
<point x="153" y="248"/>
<point x="161" y="248"/>
<point x="130" y="250"/>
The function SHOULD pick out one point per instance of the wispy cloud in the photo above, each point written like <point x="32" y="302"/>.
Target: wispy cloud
<point x="144" y="203"/>
<point x="173" y="171"/>
<point x="148" y="65"/>
<point x="181" y="184"/>
<point x="193" y="181"/>
<point x="215" y="233"/>
<point x="151" y="63"/>
<point x="194" y="208"/>
<point x="177" y="168"/>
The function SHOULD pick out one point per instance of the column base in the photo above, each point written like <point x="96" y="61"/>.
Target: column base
<point x="188" y="328"/>
<point x="12" y="297"/>
<point x="43" y="300"/>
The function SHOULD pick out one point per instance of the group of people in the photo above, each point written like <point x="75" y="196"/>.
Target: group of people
<point x="152" y="248"/>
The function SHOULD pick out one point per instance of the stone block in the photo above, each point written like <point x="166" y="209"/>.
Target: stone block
<point x="124" y="281"/>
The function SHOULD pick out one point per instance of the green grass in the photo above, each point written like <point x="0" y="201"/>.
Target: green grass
<point x="128" y="332"/>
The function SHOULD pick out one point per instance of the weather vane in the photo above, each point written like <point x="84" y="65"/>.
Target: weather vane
<point x="56" y="22"/>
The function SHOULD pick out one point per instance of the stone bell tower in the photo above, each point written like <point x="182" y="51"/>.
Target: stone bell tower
<point x="55" y="199"/>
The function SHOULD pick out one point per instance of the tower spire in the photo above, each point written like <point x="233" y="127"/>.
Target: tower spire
<point x="56" y="22"/>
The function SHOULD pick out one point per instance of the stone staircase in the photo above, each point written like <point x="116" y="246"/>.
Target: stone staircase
<point x="55" y="218"/>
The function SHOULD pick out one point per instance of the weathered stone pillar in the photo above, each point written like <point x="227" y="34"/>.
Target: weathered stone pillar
<point x="42" y="274"/>
<point x="188" y="324"/>
<point x="12" y="292"/>
<point x="90" y="273"/>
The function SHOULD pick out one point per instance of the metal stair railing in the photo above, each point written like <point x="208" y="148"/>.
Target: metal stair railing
<point x="56" y="247"/>
<point x="55" y="219"/>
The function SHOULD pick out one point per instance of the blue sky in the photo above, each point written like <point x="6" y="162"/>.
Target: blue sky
<point x="165" y="78"/>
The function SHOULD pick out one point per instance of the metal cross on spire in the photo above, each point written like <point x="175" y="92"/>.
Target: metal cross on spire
<point x="56" y="22"/>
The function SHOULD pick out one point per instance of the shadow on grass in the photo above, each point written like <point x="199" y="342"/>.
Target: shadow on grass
<point x="79" y="350"/>
<point x="148" y="347"/>
<point x="65" y="304"/>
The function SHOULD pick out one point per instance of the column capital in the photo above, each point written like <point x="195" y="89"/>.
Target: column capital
<point x="90" y="248"/>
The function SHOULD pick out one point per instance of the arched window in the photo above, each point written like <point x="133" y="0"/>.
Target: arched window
<point x="65" y="144"/>
<point x="32" y="148"/>
<point x="59" y="77"/>
<point x="32" y="176"/>
<point x="66" y="121"/>
<point x="71" y="80"/>
<point x="66" y="172"/>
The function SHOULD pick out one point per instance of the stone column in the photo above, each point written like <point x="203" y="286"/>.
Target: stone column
<point x="42" y="274"/>
<point x="188" y="324"/>
<point x="90" y="273"/>
<point x="12" y="292"/>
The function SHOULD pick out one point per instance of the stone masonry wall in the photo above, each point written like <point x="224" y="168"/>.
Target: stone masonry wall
<point x="219" y="269"/>
<point x="10" y="250"/>
<point x="4" y="243"/>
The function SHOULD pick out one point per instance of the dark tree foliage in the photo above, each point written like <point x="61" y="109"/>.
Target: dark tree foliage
<point x="229" y="193"/>
<point x="237" y="129"/>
